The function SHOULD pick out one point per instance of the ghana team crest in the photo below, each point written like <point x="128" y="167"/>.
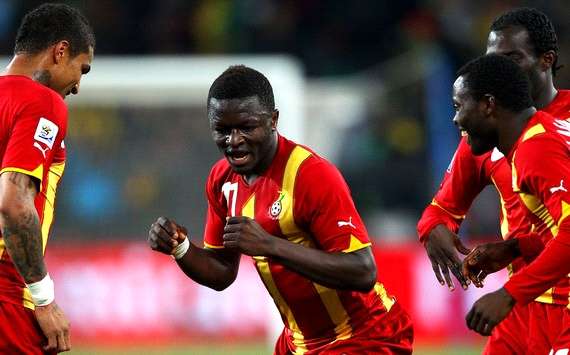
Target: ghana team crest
<point x="277" y="206"/>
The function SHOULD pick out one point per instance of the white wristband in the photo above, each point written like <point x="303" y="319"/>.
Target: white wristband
<point x="181" y="249"/>
<point x="43" y="292"/>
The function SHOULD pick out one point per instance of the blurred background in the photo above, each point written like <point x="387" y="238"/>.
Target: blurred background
<point x="365" y="83"/>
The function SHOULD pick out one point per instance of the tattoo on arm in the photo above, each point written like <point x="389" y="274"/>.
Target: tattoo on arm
<point x="21" y="230"/>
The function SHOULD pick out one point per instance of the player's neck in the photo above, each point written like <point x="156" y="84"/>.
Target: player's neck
<point x="545" y="96"/>
<point x="26" y="65"/>
<point x="264" y="164"/>
<point x="512" y="128"/>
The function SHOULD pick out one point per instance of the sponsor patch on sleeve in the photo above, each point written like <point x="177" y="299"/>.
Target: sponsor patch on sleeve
<point x="46" y="132"/>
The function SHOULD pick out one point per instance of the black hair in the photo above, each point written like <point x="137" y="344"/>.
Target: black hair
<point x="499" y="76"/>
<point x="239" y="81"/>
<point x="51" y="23"/>
<point x="538" y="26"/>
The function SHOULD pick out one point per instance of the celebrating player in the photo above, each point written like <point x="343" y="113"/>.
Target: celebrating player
<point x="494" y="108"/>
<point x="528" y="37"/>
<point x="291" y="210"/>
<point x="54" y="48"/>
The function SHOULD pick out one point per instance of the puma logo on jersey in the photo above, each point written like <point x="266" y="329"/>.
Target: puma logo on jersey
<point x="558" y="188"/>
<point x="346" y="223"/>
<point x="37" y="145"/>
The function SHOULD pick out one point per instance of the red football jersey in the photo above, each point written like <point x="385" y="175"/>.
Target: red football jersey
<point x="540" y="162"/>
<point x="33" y="122"/>
<point x="304" y="199"/>
<point x="466" y="177"/>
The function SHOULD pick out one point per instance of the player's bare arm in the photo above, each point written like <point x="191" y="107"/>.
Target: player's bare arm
<point x="216" y="269"/>
<point x="353" y="271"/>
<point x="21" y="225"/>
<point x="22" y="235"/>
<point x="442" y="246"/>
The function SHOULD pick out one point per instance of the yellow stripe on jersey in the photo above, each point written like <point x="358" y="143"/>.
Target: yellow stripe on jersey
<point x="533" y="131"/>
<point x="293" y="233"/>
<point x="355" y="244"/>
<point x="336" y="311"/>
<point x="456" y="216"/>
<point x="38" y="172"/>
<point x="264" y="271"/>
<point x="505" y="221"/>
<point x="538" y="209"/>
<point x="515" y="175"/>
<point x="248" y="209"/>
<point x="286" y="218"/>
<point x="387" y="301"/>
<point x="54" y="175"/>
<point x="565" y="212"/>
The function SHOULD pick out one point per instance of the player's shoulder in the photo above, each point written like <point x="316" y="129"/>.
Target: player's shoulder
<point x="316" y="168"/>
<point x="220" y="171"/>
<point x="563" y="96"/>
<point x="33" y="96"/>
<point x="544" y="135"/>
<point x="560" y="106"/>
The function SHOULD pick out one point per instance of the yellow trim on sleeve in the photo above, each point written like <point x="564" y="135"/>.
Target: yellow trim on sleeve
<point x="38" y="172"/>
<point x="210" y="246"/>
<point x="546" y="297"/>
<point x="355" y="244"/>
<point x="456" y="216"/>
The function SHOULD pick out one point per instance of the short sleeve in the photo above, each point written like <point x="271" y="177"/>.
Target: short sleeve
<point x="36" y="136"/>
<point x="541" y="168"/>
<point x="215" y="215"/>
<point x="324" y="205"/>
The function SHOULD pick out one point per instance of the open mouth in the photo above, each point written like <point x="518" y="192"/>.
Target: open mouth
<point x="238" y="158"/>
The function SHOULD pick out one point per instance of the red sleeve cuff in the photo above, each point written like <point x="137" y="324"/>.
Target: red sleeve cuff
<point x="530" y="246"/>
<point x="433" y="216"/>
<point x="550" y="267"/>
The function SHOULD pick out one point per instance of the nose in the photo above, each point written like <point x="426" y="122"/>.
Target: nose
<point x="234" y="138"/>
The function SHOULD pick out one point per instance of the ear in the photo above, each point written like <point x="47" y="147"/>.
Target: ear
<point x="60" y="51"/>
<point x="489" y="104"/>
<point x="274" y="119"/>
<point x="547" y="59"/>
